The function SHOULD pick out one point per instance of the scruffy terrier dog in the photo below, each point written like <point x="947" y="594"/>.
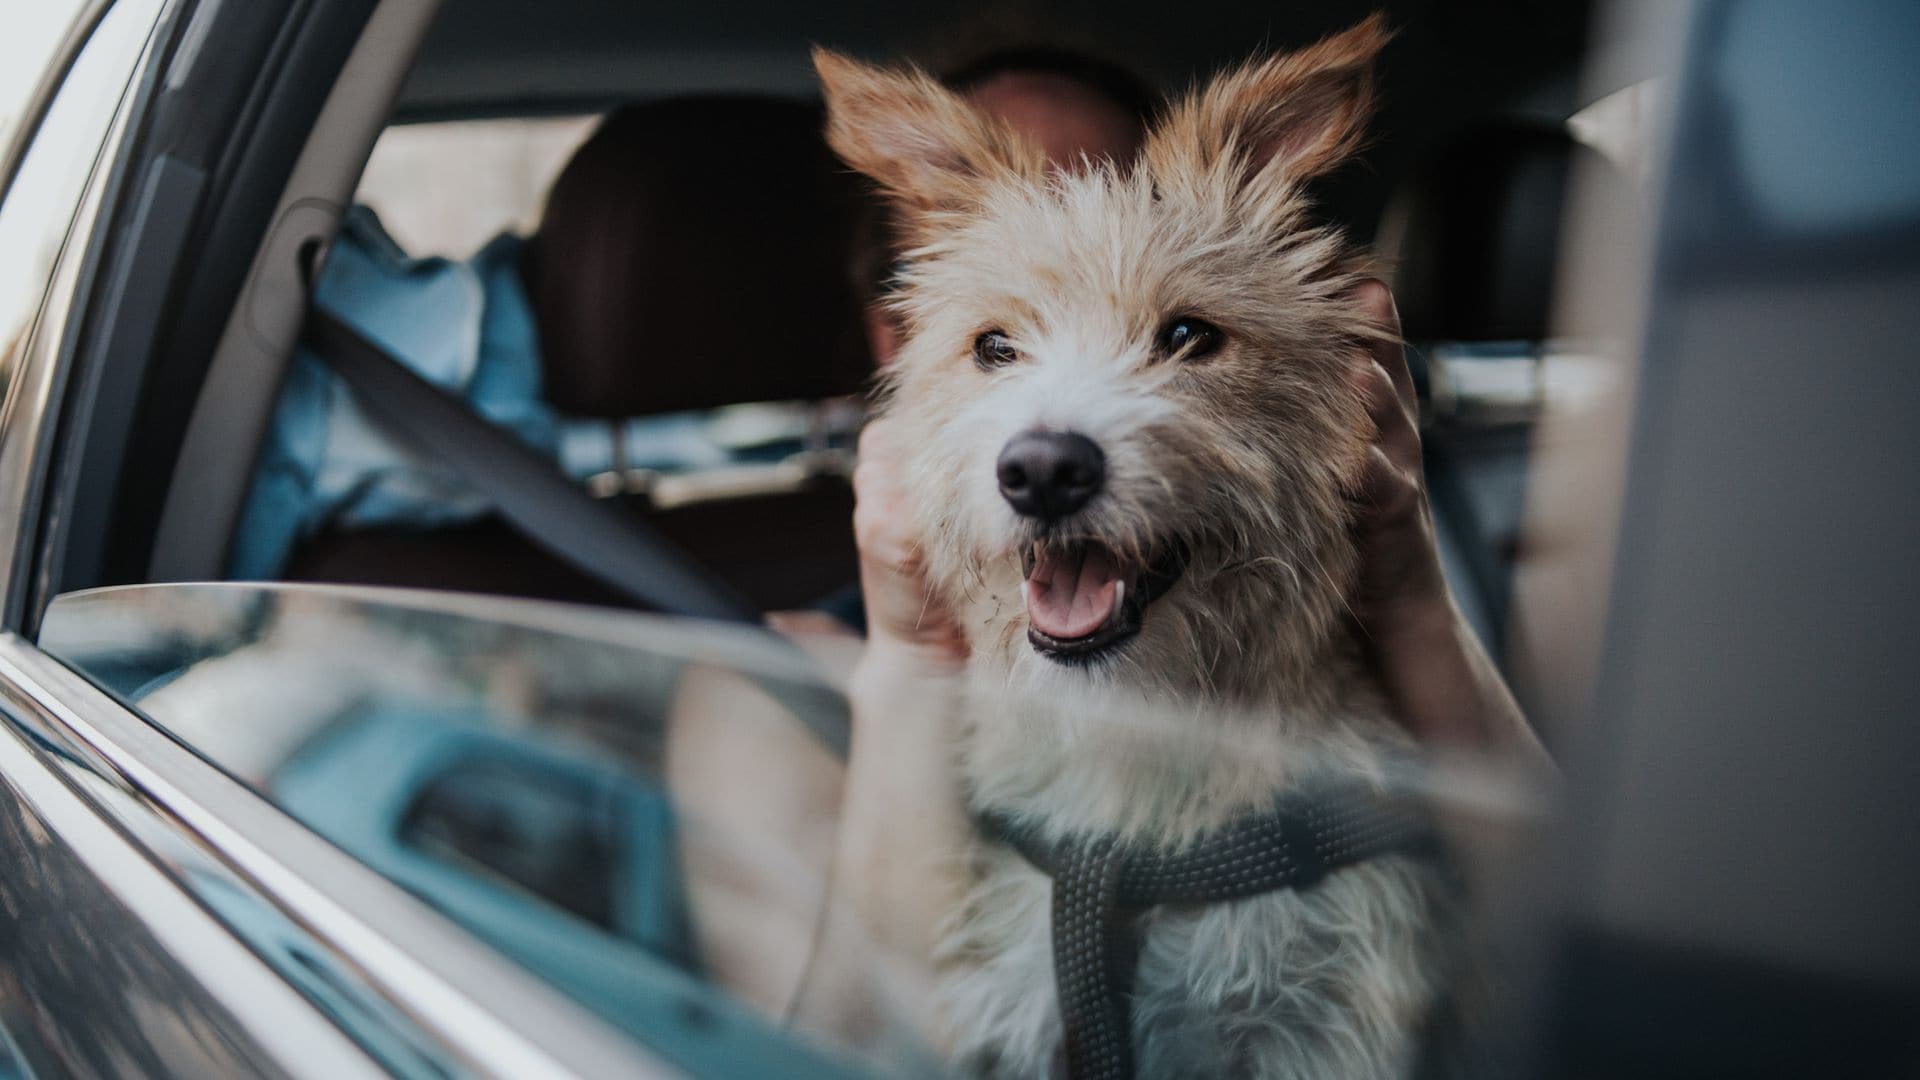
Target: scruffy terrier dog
<point x="1137" y="430"/>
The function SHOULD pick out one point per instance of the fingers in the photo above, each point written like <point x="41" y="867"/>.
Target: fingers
<point x="1387" y="493"/>
<point x="1385" y="383"/>
<point x="880" y="510"/>
<point x="1390" y="486"/>
<point x="1395" y="431"/>
<point x="876" y="439"/>
<point x="1377" y="301"/>
<point x="900" y="602"/>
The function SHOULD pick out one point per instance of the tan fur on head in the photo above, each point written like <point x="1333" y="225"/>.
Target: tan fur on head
<point x="1299" y="114"/>
<point x="1244" y="455"/>
<point x="1243" y="459"/>
<point x="926" y="147"/>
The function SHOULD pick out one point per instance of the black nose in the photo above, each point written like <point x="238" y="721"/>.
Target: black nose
<point x="1050" y="474"/>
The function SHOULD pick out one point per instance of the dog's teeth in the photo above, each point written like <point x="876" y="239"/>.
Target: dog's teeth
<point x="1119" y="600"/>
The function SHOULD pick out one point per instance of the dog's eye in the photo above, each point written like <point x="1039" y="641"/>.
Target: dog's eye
<point x="992" y="350"/>
<point x="1188" y="338"/>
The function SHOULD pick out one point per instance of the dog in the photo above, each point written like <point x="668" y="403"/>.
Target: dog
<point x="1138" y="436"/>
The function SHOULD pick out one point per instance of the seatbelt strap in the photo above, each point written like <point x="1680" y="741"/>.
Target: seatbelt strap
<point x="603" y="540"/>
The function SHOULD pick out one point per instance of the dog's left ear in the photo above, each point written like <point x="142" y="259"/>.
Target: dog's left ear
<point x="1289" y="118"/>
<point x="927" y="147"/>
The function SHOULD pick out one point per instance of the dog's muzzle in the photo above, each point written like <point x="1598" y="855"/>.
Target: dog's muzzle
<point x="1083" y="600"/>
<point x="1081" y="597"/>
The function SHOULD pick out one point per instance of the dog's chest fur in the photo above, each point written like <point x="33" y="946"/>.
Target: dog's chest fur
<point x="1328" y="983"/>
<point x="1331" y="981"/>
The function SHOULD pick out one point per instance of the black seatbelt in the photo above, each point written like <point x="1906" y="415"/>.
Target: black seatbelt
<point x="600" y="539"/>
<point x="542" y="505"/>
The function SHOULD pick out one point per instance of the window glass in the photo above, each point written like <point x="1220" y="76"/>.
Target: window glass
<point x="448" y="188"/>
<point x="46" y="191"/>
<point x="577" y="788"/>
<point x="33" y="33"/>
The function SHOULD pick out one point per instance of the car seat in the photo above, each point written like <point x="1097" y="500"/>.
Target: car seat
<point x="693" y="254"/>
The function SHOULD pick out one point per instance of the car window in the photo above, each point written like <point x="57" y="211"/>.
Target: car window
<point x="45" y="192"/>
<point x="33" y="35"/>
<point x="566" y="784"/>
<point x="447" y="188"/>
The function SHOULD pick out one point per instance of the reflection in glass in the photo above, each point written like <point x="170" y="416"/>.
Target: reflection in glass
<point x="537" y="773"/>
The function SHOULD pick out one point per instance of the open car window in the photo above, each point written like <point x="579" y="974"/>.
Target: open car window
<point x="570" y="786"/>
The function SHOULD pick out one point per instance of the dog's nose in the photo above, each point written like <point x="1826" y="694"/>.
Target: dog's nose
<point x="1050" y="474"/>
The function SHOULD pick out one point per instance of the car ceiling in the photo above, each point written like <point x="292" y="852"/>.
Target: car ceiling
<point x="1452" y="63"/>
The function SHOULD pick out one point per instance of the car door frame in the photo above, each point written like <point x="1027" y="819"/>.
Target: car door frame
<point x="99" y="931"/>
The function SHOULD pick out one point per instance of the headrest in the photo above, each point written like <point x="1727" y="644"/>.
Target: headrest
<point x="1479" y="232"/>
<point x="694" y="253"/>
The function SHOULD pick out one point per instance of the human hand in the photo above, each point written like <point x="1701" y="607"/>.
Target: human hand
<point x="904" y="615"/>
<point x="1400" y="582"/>
<point x="1444" y="687"/>
<point x="903" y="817"/>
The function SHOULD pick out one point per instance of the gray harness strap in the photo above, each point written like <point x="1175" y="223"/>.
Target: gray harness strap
<point x="1101" y="887"/>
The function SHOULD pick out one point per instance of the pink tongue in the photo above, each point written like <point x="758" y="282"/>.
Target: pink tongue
<point x="1072" y="597"/>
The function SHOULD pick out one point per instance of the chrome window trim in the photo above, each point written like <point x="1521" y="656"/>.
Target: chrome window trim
<point x="497" y="1019"/>
<point x="127" y="779"/>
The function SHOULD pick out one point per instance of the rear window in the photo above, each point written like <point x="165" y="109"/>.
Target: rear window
<point x="446" y="188"/>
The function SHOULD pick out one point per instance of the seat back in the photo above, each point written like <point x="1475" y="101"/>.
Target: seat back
<point x="693" y="254"/>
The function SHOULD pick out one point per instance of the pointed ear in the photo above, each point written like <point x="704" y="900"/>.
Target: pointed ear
<point x="922" y="143"/>
<point x="1291" y="117"/>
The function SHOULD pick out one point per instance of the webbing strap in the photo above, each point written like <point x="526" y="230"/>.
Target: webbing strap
<point x="542" y="504"/>
<point x="1100" y="889"/>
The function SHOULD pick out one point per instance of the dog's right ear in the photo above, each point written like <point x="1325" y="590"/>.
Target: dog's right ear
<point x="923" y="144"/>
<point x="1292" y="117"/>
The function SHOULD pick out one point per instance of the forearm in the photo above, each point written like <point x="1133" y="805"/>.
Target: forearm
<point x="904" y="827"/>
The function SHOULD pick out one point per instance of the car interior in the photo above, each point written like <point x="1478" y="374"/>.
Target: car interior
<point x="706" y="192"/>
<point x="695" y="256"/>
<point x="638" y="273"/>
<point x="691" y="266"/>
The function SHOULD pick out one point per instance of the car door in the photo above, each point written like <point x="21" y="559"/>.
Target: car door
<point x="156" y="917"/>
<point x="107" y="966"/>
<point x="469" y="814"/>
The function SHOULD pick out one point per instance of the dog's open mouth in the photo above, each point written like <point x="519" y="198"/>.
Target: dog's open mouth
<point x="1083" y="600"/>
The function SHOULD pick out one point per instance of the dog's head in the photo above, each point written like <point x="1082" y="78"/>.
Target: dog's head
<point x="1129" y="384"/>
